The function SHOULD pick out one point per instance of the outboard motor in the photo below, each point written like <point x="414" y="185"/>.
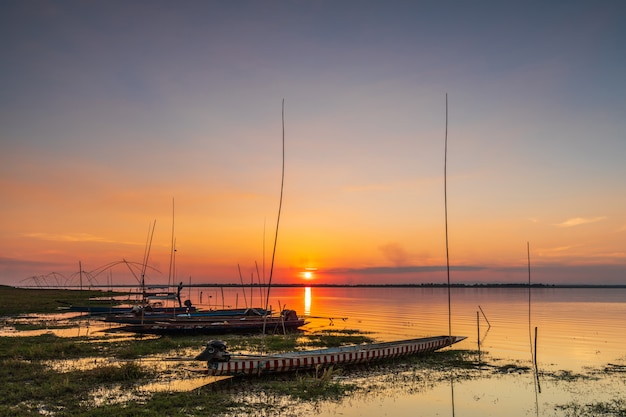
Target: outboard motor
<point x="289" y="314"/>
<point x="215" y="351"/>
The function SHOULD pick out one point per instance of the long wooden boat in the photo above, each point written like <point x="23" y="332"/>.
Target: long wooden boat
<point x="106" y="310"/>
<point x="287" y="321"/>
<point x="139" y="317"/>
<point x="220" y="362"/>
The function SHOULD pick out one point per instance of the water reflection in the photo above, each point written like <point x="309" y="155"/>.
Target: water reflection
<point x="577" y="331"/>
<point x="307" y="301"/>
<point x="182" y="385"/>
<point x="577" y="326"/>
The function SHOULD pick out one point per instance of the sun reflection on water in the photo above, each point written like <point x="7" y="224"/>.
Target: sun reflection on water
<point x="307" y="301"/>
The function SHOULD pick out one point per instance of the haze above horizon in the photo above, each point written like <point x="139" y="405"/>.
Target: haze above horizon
<point x="113" y="112"/>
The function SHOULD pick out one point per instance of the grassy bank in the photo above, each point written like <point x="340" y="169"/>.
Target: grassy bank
<point x="33" y="386"/>
<point x="113" y="372"/>
<point x="25" y="300"/>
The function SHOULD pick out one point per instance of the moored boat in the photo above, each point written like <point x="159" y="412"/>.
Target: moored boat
<point x="220" y="362"/>
<point x="107" y="310"/>
<point x="140" y="317"/>
<point x="288" y="320"/>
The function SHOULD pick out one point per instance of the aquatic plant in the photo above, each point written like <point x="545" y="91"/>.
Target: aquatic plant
<point x="614" y="408"/>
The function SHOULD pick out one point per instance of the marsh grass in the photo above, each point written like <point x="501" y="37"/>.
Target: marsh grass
<point x="321" y="383"/>
<point x="41" y="325"/>
<point x="45" y="347"/>
<point x="614" y="408"/>
<point x="32" y="388"/>
<point x="194" y="403"/>
<point x="31" y="382"/>
<point x="336" y="338"/>
<point x="22" y="300"/>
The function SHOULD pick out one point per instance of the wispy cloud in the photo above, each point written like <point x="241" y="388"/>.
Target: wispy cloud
<point x="14" y="262"/>
<point x="72" y="237"/>
<point x="577" y="221"/>
<point x="395" y="253"/>
<point x="401" y="269"/>
<point x="555" y="251"/>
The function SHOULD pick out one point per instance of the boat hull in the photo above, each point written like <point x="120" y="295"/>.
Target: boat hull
<point x="208" y="315"/>
<point x="347" y="355"/>
<point x="188" y="327"/>
<point x="107" y="310"/>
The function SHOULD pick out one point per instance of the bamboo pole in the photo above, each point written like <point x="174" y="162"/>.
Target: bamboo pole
<point x="487" y="320"/>
<point x="445" y="199"/>
<point x="478" y="333"/>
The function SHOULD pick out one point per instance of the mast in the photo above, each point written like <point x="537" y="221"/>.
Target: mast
<point x="280" y="205"/>
<point x="445" y="198"/>
<point x="170" y="275"/>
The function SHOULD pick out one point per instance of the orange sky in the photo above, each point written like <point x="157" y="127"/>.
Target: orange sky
<point x="110" y="111"/>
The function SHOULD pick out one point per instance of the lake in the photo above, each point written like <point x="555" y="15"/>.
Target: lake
<point x="581" y="339"/>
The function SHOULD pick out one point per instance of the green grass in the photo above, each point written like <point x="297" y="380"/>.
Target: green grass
<point x="21" y="300"/>
<point x="31" y="388"/>
<point x="329" y="338"/>
<point x="32" y="383"/>
<point x="310" y="386"/>
<point x="45" y="347"/>
<point x="614" y="408"/>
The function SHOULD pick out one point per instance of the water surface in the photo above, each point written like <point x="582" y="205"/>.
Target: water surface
<point x="580" y="332"/>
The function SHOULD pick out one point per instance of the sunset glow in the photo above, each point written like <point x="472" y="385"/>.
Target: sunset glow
<point x="104" y="125"/>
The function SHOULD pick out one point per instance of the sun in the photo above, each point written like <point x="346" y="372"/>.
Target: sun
<point x="308" y="274"/>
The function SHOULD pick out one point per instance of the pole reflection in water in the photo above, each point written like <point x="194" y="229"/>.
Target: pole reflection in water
<point x="452" y="392"/>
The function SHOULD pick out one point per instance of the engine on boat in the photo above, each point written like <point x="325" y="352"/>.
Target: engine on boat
<point x="215" y="351"/>
<point x="289" y="314"/>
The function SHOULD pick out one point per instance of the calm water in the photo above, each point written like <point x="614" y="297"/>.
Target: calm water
<point x="580" y="332"/>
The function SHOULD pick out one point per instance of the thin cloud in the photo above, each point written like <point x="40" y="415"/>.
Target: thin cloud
<point x="555" y="251"/>
<point x="14" y="262"/>
<point x="401" y="269"/>
<point x="395" y="253"/>
<point x="72" y="237"/>
<point x="577" y="221"/>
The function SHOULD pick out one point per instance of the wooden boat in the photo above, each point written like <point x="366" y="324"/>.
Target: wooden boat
<point x="220" y="362"/>
<point x="139" y="317"/>
<point x="107" y="310"/>
<point x="150" y="303"/>
<point x="288" y="320"/>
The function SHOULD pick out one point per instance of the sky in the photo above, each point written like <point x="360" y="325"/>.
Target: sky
<point x="128" y="128"/>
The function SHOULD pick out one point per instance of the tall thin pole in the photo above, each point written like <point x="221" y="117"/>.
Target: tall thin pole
<point x="445" y="197"/>
<point x="147" y="256"/>
<point x="242" y="286"/>
<point x="280" y="205"/>
<point x="170" y="275"/>
<point x="529" y="303"/>
<point x="145" y="266"/>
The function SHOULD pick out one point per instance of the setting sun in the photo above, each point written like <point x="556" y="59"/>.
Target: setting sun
<point x="308" y="273"/>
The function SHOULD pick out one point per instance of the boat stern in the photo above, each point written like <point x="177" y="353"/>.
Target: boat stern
<point x="215" y="351"/>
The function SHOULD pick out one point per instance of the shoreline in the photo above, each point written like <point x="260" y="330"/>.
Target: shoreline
<point x="326" y="285"/>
